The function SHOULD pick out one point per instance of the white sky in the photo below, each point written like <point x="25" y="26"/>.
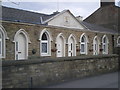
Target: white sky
<point x="77" y="7"/>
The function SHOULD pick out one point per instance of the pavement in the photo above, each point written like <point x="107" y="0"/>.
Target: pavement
<point x="109" y="80"/>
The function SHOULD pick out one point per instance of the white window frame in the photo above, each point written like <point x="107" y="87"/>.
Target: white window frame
<point x="3" y="38"/>
<point x="105" y="44"/>
<point x="49" y="42"/>
<point x="85" y="43"/>
<point x="1" y="46"/>
<point x="44" y="41"/>
<point x="118" y="44"/>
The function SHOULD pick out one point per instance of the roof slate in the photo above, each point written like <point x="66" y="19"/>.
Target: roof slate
<point x="18" y="15"/>
<point x="94" y="27"/>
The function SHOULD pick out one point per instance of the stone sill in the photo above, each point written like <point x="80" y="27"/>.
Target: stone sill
<point x="6" y="63"/>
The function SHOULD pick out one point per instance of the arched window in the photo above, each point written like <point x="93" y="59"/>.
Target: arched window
<point x="105" y="44"/>
<point x="118" y="41"/>
<point x="45" y="43"/>
<point x="1" y="46"/>
<point x="83" y="44"/>
<point x="3" y="37"/>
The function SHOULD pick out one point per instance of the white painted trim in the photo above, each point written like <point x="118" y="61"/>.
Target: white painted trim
<point x="106" y="46"/>
<point x="49" y="42"/>
<point x="94" y="44"/>
<point x="85" y="43"/>
<point x="4" y="33"/>
<point x="118" y="44"/>
<point x="48" y="20"/>
<point x="24" y="32"/>
<point x="72" y="36"/>
<point x="27" y="39"/>
<point x="61" y="34"/>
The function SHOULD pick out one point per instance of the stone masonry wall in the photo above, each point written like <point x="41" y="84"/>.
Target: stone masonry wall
<point x="45" y="71"/>
<point x="34" y="34"/>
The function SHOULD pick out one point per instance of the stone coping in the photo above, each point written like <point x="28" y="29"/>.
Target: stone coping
<point x="50" y="59"/>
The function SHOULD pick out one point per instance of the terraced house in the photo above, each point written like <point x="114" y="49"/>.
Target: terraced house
<point x="30" y="44"/>
<point x="25" y="34"/>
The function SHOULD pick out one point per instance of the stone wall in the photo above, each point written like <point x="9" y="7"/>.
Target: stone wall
<point x="34" y="34"/>
<point x="45" y="71"/>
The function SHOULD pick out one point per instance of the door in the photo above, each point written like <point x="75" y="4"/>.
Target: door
<point x="21" y="45"/>
<point x="71" y="47"/>
<point x="96" y="47"/>
<point x="60" y="47"/>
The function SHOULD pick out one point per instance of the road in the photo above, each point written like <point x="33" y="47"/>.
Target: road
<point x="102" y="81"/>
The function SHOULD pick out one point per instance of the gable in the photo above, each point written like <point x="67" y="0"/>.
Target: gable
<point x="65" y="19"/>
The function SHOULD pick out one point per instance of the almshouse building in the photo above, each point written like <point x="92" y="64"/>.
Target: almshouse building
<point x="25" y="35"/>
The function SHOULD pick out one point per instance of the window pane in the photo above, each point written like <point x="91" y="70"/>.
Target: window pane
<point x="44" y="47"/>
<point x="82" y="47"/>
<point x="44" y="36"/>
<point x="83" y="39"/>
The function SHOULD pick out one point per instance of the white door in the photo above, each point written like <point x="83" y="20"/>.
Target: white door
<point x="71" y="47"/>
<point x="60" y="47"/>
<point x="21" y="47"/>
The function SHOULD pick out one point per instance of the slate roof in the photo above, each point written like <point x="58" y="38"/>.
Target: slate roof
<point x="18" y="15"/>
<point x="94" y="27"/>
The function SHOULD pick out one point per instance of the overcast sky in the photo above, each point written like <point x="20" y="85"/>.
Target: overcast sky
<point x="82" y="7"/>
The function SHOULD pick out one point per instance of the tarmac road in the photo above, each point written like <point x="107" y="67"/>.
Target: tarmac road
<point x="102" y="81"/>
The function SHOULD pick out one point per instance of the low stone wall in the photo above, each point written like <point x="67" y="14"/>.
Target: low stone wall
<point x="37" y="73"/>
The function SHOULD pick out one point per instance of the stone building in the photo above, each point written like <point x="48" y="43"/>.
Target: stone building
<point x="27" y="35"/>
<point x="108" y="16"/>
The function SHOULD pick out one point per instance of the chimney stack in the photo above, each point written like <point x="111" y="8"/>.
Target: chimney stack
<point x="79" y="18"/>
<point x="107" y="2"/>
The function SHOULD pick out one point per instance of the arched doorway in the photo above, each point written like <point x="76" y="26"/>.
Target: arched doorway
<point x="95" y="46"/>
<point x="21" y="40"/>
<point x="60" y="41"/>
<point x="21" y="46"/>
<point x="71" y="46"/>
<point x="105" y="44"/>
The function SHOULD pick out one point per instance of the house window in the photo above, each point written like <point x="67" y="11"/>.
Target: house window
<point x="83" y="44"/>
<point x="44" y="43"/>
<point x="45" y="46"/>
<point x="105" y="45"/>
